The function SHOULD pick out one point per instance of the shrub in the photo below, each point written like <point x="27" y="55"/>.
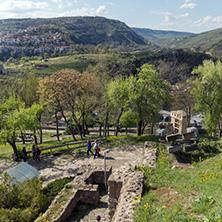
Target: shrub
<point x="21" y="201"/>
<point x="53" y="188"/>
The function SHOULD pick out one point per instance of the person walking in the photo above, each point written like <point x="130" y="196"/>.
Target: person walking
<point x="96" y="148"/>
<point x="98" y="218"/>
<point x="24" y="154"/>
<point x="89" y="146"/>
<point x="38" y="152"/>
<point x="34" y="152"/>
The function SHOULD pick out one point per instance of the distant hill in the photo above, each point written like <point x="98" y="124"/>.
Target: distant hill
<point x="77" y="30"/>
<point x="210" y="41"/>
<point x="153" y="35"/>
<point x="59" y="36"/>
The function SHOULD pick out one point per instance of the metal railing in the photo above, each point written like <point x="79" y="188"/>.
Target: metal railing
<point x="68" y="144"/>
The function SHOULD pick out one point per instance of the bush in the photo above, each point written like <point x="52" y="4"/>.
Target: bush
<point x="53" y="188"/>
<point x="21" y="201"/>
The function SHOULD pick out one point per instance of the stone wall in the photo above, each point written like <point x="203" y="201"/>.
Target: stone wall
<point x="149" y="158"/>
<point x="125" y="187"/>
<point x="83" y="188"/>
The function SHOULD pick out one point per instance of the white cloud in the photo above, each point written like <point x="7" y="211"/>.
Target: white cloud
<point x="22" y="6"/>
<point x="217" y="19"/>
<point x="101" y="10"/>
<point x="209" y="22"/>
<point x="86" y="12"/>
<point x="169" y="17"/>
<point x="111" y="3"/>
<point x="188" y="5"/>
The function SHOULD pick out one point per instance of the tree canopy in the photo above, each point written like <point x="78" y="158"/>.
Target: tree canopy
<point x="207" y="92"/>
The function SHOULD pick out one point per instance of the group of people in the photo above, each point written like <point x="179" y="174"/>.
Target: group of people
<point x="95" y="147"/>
<point x="35" y="153"/>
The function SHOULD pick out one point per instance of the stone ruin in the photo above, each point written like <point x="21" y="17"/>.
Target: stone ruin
<point x="125" y="187"/>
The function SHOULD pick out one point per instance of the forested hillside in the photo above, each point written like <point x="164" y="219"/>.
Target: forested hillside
<point x="32" y="37"/>
<point x="208" y="41"/>
<point x="152" y="35"/>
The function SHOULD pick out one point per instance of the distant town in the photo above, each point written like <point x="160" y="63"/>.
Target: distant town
<point x="26" y="40"/>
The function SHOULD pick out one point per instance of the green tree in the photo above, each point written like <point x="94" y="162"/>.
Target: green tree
<point x="10" y="124"/>
<point x="119" y="97"/>
<point x="74" y="92"/>
<point x="29" y="88"/>
<point x="147" y="92"/>
<point x="128" y="119"/>
<point x="14" y="119"/>
<point x="207" y="92"/>
<point x="29" y="119"/>
<point x="21" y="201"/>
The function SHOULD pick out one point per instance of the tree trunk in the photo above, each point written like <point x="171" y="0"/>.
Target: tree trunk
<point x="87" y="129"/>
<point x="126" y="130"/>
<point x="69" y="127"/>
<point x="23" y="139"/>
<point x="57" y="126"/>
<point x="78" y="125"/>
<point x="40" y="130"/>
<point x="139" y="128"/>
<point x="220" y="129"/>
<point x="117" y="122"/>
<point x="152" y="125"/>
<point x="83" y="124"/>
<point x="35" y="139"/>
<point x="106" y="124"/>
<point x="13" y="145"/>
<point x="100" y="129"/>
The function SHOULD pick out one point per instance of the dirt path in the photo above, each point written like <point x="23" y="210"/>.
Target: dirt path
<point x="52" y="167"/>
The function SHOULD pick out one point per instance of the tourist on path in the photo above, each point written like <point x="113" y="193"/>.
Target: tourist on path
<point x="38" y="152"/>
<point x="96" y="148"/>
<point x="24" y="154"/>
<point x="89" y="146"/>
<point x="34" y="152"/>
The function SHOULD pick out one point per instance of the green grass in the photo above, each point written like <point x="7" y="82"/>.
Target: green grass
<point x="77" y="62"/>
<point x="184" y="194"/>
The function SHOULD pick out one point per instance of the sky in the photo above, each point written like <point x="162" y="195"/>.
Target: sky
<point x="194" y="16"/>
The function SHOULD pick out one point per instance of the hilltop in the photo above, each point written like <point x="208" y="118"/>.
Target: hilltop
<point x="153" y="35"/>
<point x="59" y="35"/>
<point x="207" y="41"/>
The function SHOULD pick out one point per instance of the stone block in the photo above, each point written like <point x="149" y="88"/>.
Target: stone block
<point x="190" y="148"/>
<point x="174" y="149"/>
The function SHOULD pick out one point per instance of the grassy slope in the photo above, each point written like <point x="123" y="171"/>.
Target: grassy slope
<point x="77" y="62"/>
<point x="175" y="194"/>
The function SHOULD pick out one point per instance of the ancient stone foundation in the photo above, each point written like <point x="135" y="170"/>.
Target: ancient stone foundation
<point x="125" y="187"/>
<point x="125" y="190"/>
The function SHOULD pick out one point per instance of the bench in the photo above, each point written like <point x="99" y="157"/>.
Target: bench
<point x="173" y="137"/>
<point x="189" y="148"/>
<point x="189" y="136"/>
<point x="174" y="149"/>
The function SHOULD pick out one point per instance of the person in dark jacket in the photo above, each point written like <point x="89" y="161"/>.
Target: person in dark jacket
<point x="89" y="146"/>
<point x="38" y="152"/>
<point x="24" y="154"/>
